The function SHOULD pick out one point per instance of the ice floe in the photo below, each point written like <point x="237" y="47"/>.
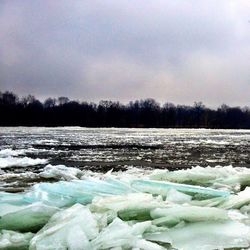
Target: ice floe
<point x="10" y="152"/>
<point x="20" y="161"/>
<point x="130" y="211"/>
<point x="61" y="172"/>
<point x="227" y="177"/>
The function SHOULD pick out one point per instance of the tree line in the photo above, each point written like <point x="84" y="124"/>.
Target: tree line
<point x="29" y="111"/>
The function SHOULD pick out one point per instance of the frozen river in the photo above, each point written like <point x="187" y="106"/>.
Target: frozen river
<point x="169" y="189"/>
<point x="25" y="151"/>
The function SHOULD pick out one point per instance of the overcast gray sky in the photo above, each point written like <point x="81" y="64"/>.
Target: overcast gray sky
<point x="179" y="51"/>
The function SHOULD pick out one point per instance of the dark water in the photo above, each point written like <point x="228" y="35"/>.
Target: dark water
<point x="25" y="151"/>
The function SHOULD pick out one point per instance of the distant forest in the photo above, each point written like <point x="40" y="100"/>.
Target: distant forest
<point x="28" y="111"/>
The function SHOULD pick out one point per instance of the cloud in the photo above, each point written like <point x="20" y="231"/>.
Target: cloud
<point x="179" y="51"/>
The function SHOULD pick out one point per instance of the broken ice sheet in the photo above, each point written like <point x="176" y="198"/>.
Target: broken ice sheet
<point x="12" y="198"/>
<point x="205" y="235"/>
<point x="67" y="193"/>
<point x="135" y="206"/>
<point x="226" y="177"/>
<point x="237" y="201"/>
<point x="10" y="240"/>
<point x="61" y="172"/>
<point x="189" y="213"/>
<point x="130" y="213"/>
<point x="177" y="197"/>
<point x="77" y="228"/>
<point x="119" y="235"/>
<point x="163" y="187"/>
<point x="72" y="228"/>
<point x="25" y="218"/>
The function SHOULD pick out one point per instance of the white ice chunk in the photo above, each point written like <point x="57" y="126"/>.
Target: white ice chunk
<point x="14" y="240"/>
<point x="178" y="197"/>
<point x="147" y="245"/>
<point x="190" y="213"/>
<point x="20" y="161"/>
<point x="206" y="236"/>
<point x="72" y="228"/>
<point x="237" y="201"/>
<point x="163" y="187"/>
<point x="25" y="218"/>
<point x="10" y="152"/>
<point x="226" y="177"/>
<point x="61" y="172"/>
<point x="119" y="235"/>
<point x="133" y="206"/>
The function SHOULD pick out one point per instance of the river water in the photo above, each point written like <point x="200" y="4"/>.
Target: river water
<point x="25" y="151"/>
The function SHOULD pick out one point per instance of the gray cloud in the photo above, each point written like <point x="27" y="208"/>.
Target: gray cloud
<point x="178" y="51"/>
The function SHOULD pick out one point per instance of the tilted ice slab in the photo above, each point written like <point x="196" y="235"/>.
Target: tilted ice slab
<point x="237" y="201"/>
<point x="125" y="212"/>
<point x="119" y="235"/>
<point x="189" y="213"/>
<point x="72" y="228"/>
<point x="234" y="201"/>
<point x="25" y="218"/>
<point x="12" y="199"/>
<point x="76" y="228"/>
<point x="64" y="193"/>
<point x="223" y="178"/>
<point x="128" y="207"/>
<point x="162" y="188"/>
<point x="220" y="177"/>
<point x="10" y="240"/>
<point x="206" y="236"/>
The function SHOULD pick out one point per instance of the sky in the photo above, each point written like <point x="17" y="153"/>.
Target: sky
<point x="178" y="51"/>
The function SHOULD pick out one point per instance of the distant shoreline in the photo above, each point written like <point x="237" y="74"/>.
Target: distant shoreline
<point x="28" y="111"/>
<point x="72" y="126"/>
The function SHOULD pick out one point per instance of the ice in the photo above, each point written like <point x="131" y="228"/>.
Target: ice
<point x="122" y="211"/>
<point x="10" y="240"/>
<point x="213" y="202"/>
<point x="147" y="245"/>
<point x="61" y="172"/>
<point x="10" y="152"/>
<point x="190" y="176"/>
<point x="178" y="197"/>
<point x="162" y="188"/>
<point x="117" y="234"/>
<point x="225" y="177"/>
<point x="120" y="235"/>
<point x="25" y="218"/>
<point x="12" y="198"/>
<point x="129" y="207"/>
<point x="206" y="236"/>
<point x="121" y="202"/>
<point x="237" y="201"/>
<point x="72" y="228"/>
<point x="20" y="161"/>
<point x="189" y="213"/>
<point x="66" y="193"/>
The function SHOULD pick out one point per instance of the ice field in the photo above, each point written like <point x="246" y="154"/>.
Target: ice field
<point x="79" y="188"/>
